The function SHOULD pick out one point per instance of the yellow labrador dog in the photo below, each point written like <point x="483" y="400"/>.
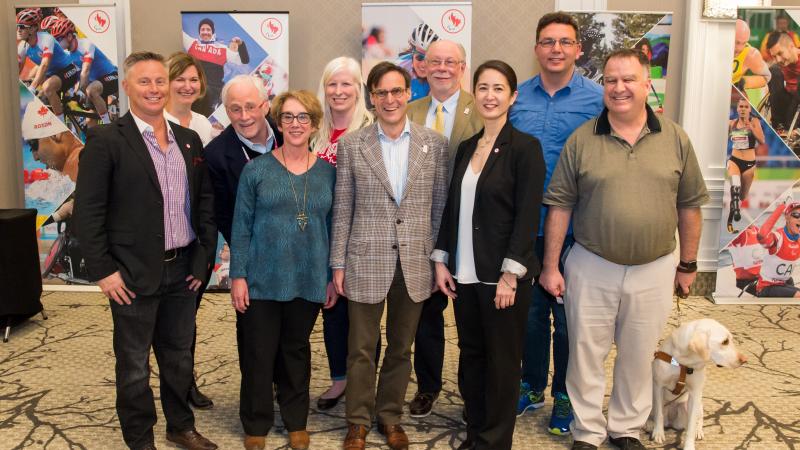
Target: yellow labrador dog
<point x="679" y="376"/>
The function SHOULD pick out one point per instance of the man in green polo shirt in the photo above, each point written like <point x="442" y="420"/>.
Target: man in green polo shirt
<point x="627" y="178"/>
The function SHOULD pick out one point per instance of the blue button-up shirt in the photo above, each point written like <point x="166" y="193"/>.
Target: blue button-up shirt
<point x="395" y="158"/>
<point x="553" y="119"/>
<point x="259" y="148"/>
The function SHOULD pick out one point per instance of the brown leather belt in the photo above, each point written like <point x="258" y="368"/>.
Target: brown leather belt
<point x="667" y="358"/>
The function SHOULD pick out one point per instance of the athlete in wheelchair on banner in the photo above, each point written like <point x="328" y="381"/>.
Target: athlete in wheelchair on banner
<point x="65" y="70"/>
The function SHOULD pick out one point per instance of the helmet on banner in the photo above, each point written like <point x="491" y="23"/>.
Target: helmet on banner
<point x="791" y="207"/>
<point x="29" y="17"/>
<point x="48" y="22"/>
<point x="62" y="28"/>
<point x="422" y="36"/>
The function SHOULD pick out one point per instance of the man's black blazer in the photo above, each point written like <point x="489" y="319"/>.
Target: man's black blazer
<point x="508" y="196"/>
<point x="225" y="158"/>
<point x="119" y="218"/>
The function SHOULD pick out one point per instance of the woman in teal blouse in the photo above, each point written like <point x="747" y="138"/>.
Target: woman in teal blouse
<point x="279" y="259"/>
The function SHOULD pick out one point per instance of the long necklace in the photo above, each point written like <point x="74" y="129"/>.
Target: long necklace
<point x="301" y="217"/>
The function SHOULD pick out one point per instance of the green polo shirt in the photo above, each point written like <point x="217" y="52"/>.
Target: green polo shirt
<point x="624" y="198"/>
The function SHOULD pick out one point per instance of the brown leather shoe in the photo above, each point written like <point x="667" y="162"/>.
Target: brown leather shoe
<point x="396" y="438"/>
<point x="356" y="438"/>
<point x="299" y="440"/>
<point x="254" y="442"/>
<point x="191" y="440"/>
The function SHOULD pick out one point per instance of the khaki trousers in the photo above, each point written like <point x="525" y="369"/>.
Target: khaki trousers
<point x="402" y="316"/>
<point x="628" y="305"/>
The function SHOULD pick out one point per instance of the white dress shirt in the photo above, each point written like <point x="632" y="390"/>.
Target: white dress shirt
<point x="395" y="158"/>
<point x="449" y="110"/>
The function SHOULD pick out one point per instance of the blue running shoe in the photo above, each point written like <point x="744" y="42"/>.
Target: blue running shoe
<point x="528" y="399"/>
<point x="562" y="415"/>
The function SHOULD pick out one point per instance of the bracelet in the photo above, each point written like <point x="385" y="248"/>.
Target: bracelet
<point x="507" y="284"/>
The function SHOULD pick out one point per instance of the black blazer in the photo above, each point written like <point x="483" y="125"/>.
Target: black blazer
<point x="225" y="158"/>
<point x="508" y="198"/>
<point x="118" y="216"/>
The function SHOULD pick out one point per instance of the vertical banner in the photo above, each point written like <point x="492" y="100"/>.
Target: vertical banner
<point x="604" y="32"/>
<point x="760" y="227"/>
<point x="68" y="82"/>
<point x="230" y="44"/>
<point x="402" y="32"/>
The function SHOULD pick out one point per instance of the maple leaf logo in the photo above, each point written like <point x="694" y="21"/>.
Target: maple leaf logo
<point x="42" y="111"/>
<point x="454" y="20"/>
<point x="272" y="27"/>
<point x="100" y="21"/>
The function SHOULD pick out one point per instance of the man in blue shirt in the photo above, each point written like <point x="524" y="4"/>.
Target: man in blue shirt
<point x="550" y="106"/>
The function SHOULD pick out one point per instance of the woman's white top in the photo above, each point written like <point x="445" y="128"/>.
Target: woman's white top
<point x="199" y="124"/>
<point x="465" y="256"/>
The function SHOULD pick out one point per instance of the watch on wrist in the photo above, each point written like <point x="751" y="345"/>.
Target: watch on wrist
<point x="687" y="266"/>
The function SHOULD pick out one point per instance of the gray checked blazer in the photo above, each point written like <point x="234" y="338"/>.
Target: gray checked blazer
<point x="370" y="230"/>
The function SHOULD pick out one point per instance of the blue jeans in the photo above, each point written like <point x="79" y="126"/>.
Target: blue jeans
<point x="536" y="358"/>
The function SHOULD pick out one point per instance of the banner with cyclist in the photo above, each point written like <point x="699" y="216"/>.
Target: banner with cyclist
<point x="402" y="32"/>
<point x="230" y="44"/>
<point x="760" y="226"/>
<point x="68" y="82"/>
<point x="604" y="32"/>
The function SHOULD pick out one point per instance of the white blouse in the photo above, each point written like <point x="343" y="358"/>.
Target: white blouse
<point x="199" y="124"/>
<point x="465" y="256"/>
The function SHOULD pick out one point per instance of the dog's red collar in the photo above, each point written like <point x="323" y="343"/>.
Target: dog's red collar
<point x="667" y="358"/>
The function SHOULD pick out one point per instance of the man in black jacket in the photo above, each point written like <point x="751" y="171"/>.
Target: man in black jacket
<point x="144" y="217"/>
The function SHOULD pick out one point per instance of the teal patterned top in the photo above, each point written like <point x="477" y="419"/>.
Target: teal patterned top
<point x="280" y="261"/>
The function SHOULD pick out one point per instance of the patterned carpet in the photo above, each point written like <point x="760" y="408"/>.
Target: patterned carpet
<point x="57" y="386"/>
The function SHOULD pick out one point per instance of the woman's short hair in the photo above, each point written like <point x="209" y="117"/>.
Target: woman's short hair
<point x="500" y="66"/>
<point x="178" y="62"/>
<point x="305" y="98"/>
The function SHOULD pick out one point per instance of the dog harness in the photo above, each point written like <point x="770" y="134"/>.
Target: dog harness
<point x="667" y="358"/>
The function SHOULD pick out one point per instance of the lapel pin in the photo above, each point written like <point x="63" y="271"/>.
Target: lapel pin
<point x="497" y="150"/>
<point x="187" y="146"/>
<point x="466" y="110"/>
<point x="425" y="148"/>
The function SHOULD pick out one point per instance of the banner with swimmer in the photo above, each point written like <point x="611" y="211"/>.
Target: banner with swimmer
<point x="760" y="227"/>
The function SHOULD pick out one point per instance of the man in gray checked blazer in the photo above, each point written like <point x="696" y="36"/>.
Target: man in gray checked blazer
<point x="391" y="187"/>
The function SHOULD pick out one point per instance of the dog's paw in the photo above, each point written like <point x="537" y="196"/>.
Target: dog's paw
<point x="688" y="446"/>
<point x="657" y="436"/>
<point x="699" y="435"/>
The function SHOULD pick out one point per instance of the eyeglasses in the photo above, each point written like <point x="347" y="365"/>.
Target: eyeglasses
<point x="382" y="93"/>
<point x="287" y="118"/>
<point x="237" y="110"/>
<point x="22" y="26"/>
<point x="795" y="215"/>
<point x="449" y="63"/>
<point x="550" y="43"/>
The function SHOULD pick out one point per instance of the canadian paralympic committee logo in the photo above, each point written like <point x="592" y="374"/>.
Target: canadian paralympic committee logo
<point x="271" y="28"/>
<point x="99" y="21"/>
<point x="453" y="21"/>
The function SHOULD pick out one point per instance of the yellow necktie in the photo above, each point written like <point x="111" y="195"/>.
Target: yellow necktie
<point x="438" y="121"/>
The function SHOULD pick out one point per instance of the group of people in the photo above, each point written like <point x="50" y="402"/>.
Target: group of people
<point x="328" y="206"/>
<point x="65" y="60"/>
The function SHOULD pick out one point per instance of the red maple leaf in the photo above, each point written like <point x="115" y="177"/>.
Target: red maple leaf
<point x="100" y="20"/>
<point x="455" y="20"/>
<point x="42" y="111"/>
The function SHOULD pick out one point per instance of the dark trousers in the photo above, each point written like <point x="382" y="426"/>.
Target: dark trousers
<point x="362" y="401"/>
<point x="536" y="359"/>
<point x="335" y="327"/>
<point x="165" y="322"/>
<point x="490" y="341"/>
<point x="200" y="293"/>
<point x="273" y="345"/>
<point x="429" y="344"/>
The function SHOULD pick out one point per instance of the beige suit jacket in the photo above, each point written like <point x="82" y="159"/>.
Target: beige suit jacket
<point x="467" y="122"/>
<point x="370" y="230"/>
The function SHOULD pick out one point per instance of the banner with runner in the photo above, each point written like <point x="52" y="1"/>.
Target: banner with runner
<point x="760" y="227"/>
<point x="402" y="32"/>
<point x="230" y="44"/>
<point x="68" y="82"/>
<point x="604" y="32"/>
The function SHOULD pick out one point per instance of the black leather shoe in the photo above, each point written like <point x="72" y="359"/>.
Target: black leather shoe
<point x="191" y="440"/>
<point x="422" y="404"/>
<point x="580" y="445"/>
<point x="324" y="404"/>
<point x="467" y="444"/>
<point x="627" y="443"/>
<point x="198" y="399"/>
<point x="150" y="446"/>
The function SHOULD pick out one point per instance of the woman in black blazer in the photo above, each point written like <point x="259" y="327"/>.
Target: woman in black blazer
<point x="486" y="243"/>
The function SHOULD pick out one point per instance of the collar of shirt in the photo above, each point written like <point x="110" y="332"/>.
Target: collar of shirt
<point x="575" y="82"/>
<point x="144" y="126"/>
<point x="448" y="106"/>
<point x="652" y="125"/>
<point x="384" y="137"/>
<point x="259" y="148"/>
